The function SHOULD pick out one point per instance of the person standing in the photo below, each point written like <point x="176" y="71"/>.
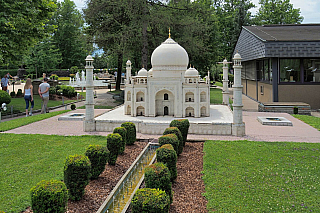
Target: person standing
<point x="28" y="96"/>
<point x="5" y="83"/>
<point x="44" y="94"/>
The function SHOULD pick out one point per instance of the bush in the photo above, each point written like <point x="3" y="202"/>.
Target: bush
<point x="176" y="131"/>
<point x="73" y="106"/>
<point x="150" y="200"/>
<point x="98" y="156"/>
<point x="12" y="94"/>
<point x="131" y="132"/>
<point x="167" y="155"/>
<point x="157" y="176"/>
<point x="183" y="126"/>
<point x="114" y="142"/>
<point x="4" y="97"/>
<point x="169" y="139"/>
<point x="74" y="70"/>
<point x="123" y="132"/>
<point x="52" y="91"/>
<point x="49" y="196"/>
<point x="77" y="170"/>
<point x="68" y="91"/>
<point x="19" y="93"/>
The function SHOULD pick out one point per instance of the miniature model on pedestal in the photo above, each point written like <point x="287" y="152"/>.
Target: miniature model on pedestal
<point x="168" y="88"/>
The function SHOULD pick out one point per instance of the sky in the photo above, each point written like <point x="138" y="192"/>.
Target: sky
<point x="309" y="8"/>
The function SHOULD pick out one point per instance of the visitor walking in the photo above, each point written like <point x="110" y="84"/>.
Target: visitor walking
<point x="5" y="83"/>
<point x="44" y="94"/>
<point x="28" y="96"/>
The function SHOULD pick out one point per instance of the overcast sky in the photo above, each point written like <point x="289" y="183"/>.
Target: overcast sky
<point x="310" y="9"/>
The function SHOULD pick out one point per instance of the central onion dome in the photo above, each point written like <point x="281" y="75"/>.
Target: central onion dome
<point x="169" y="53"/>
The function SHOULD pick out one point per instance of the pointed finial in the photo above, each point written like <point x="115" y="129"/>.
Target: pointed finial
<point x="169" y="33"/>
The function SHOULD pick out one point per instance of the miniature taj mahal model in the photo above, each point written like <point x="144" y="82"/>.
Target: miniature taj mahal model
<point x="168" y="88"/>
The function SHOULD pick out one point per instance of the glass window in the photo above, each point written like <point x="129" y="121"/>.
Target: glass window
<point x="289" y="70"/>
<point x="266" y="70"/>
<point x="166" y="97"/>
<point x="311" y="70"/>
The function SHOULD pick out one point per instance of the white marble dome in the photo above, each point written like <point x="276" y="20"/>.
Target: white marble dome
<point x="169" y="53"/>
<point x="142" y="73"/>
<point x="191" y="72"/>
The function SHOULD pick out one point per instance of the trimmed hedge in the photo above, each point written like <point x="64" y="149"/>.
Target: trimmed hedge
<point x="49" y="196"/>
<point x="167" y="155"/>
<point x="123" y="132"/>
<point x="77" y="170"/>
<point x="169" y="139"/>
<point x="150" y="200"/>
<point x="176" y="131"/>
<point x="183" y="126"/>
<point x="98" y="156"/>
<point x="4" y="97"/>
<point x="131" y="132"/>
<point x="157" y="176"/>
<point x="114" y="143"/>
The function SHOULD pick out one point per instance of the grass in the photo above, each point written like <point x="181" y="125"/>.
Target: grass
<point x="243" y="176"/>
<point x="311" y="120"/>
<point x="27" y="159"/>
<point x="215" y="96"/>
<point x="15" y="123"/>
<point x="217" y="83"/>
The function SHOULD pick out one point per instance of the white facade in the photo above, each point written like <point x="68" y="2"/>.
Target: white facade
<point x="168" y="88"/>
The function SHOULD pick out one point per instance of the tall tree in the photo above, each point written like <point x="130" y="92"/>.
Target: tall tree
<point x="22" y="24"/>
<point x="278" y="12"/>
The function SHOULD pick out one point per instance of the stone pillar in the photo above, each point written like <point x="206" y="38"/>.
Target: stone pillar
<point x="128" y="71"/>
<point x="225" y="80"/>
<point x="238" y="127"/>
<point x="89" y="122"/>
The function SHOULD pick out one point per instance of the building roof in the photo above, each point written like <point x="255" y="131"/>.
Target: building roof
<point x="294" y="32"/>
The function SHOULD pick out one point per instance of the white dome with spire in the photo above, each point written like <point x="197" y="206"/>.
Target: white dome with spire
<point x="142" y="73"/>
<point x="191" y="72"/>
<point x="169" y="53"/>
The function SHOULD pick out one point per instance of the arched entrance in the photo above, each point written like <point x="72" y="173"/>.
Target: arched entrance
<point x="128" y="112"/>
<point x="166" y="110"/>
<point x="164" y="103"/>
<point x="140" y="111"/>
<point x="189" y="112"/>
<point x="203" y="111"/>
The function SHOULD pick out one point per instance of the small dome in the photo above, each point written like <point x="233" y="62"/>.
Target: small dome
<point x="89" y="58"/>
<point x="142" y="73"/>
<point x="191" y="72"/>
<point x="237" y="56"/>
<point x="150" y="72"/>
<point x="128" y="62"/>
<point x="169" y="53"/>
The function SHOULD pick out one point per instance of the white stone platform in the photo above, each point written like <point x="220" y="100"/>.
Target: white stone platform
<point x="219" y="122"/>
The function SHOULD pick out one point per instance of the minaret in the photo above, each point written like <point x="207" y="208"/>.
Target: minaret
<point x="238" y="127"/>
<point x="225" y="81"/>
<point x="89" y="123"/>
<point x="128" y="71"/>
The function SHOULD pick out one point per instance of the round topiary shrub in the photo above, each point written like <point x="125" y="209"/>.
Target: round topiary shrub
<point x="183" y="126"/>
<point x="123" y="132"/>
<point x="114" y="142"/>
<point x="98" y="156"/>
<point x="73" y="106"/>
<point x="176" y="131"/>
<point x="157" y="176"/>
<point x="77" y="174"/>
<point x="19" y="93"/>
<point x="169" y="139"/>
<point x="4" y="97"/>
<point x="150" y="200"/>
<point x="131" y="132"/>
<point x="49" y="196"/>
<point x="13" y="94"/>
<point x="167" y="155"/>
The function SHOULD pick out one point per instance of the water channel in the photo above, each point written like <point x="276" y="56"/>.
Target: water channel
<point x="119" y="199"/>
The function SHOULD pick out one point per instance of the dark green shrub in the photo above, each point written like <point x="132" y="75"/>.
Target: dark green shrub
<point x="13" y="94"/>
<point x="52" y="91"/>
<point x="74" y="70"/>
<point x="59" y="91"/>
<point x="114" y="142"/>
<point x="49" y="196"/>
<point x="98" y="156"/>
<point x="169" y="139"/>
<point x="131" y="132"/>
<point x="77" y="170"/>
<point x="68" y="91"/>
<point x="157" y="176"/>
<point x="58" y="87"/>
<point x="150" y="200"/>
<point x="123" y="132"/>
<point x="295" y="110"/>
<point x="19" y="93"/>
<point x="167" y="155"/>
<point x="183" y="126"/>
<point x="4" y="97"/>
<point x="73" y="106"/>
<point x="176" y="131"/>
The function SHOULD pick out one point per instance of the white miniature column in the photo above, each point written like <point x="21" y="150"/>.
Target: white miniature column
<point x="238" y="127"/>
<point x="89" y="123"/>
<point x="225" y="81"/>
<point x="128" y="71"/>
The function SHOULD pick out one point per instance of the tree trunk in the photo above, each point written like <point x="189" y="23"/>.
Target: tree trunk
<point x="119" y="71"/>
<point x="144" y="51"/>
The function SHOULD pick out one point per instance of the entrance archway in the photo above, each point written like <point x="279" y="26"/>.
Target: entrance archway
<point x="189" y="112"/>
<point x="165" y="110"/>
<point x="140" y="111"/>
<point x="164" y="103"/>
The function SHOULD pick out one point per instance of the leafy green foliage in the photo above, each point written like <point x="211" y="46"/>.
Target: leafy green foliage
<point x="73" y="106"/>
<point x="49" y="196"/>
<point x="4" y="97"/>
<point x="131" y="132"/>
<point x="261" y="176"/>
<point x="183" y="126"/>
<point x="157" y="176"/>
<point x="114" y="144"/>
<point x="167" y="155"/>
<point x="98" y="156"/>
<point x="170" y="139"/>
<point x="74" y="70"/>
<point x="77" y="174"/>
<point x="123" y="132"/>
<point x="311" y="120"/>
<point x="150" y="200"/>
<point x="176" y="131"/>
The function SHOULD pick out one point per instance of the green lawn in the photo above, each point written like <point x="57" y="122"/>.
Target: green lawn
<point x="217" y="83"/>
<point x="215" y="96"/>
<point x="27" y="159"/>
<point x="311" y="120"/>
<point x="261" y="176"/>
